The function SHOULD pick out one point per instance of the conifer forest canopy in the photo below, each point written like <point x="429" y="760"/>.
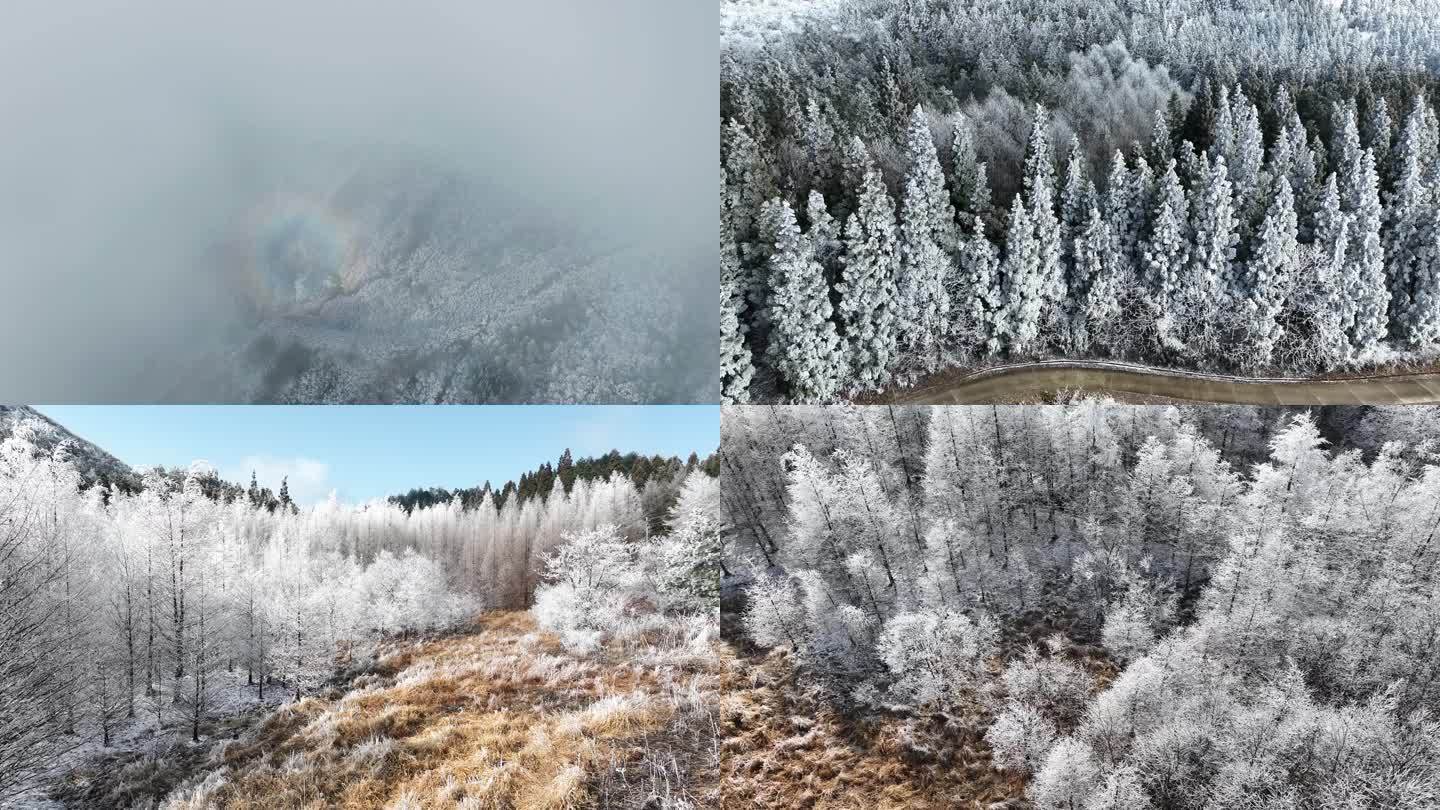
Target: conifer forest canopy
<point x="1100" y="606"/>
<point x="1244" y="187"/>
<point x="341" y="202"/>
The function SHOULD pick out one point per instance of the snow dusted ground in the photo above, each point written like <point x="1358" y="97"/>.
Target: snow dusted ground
<point x="142" y="752"/>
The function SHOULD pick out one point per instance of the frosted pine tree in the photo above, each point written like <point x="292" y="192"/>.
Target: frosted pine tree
<point x="1346" y="151"/>
<point x="855" y="162"/>
<point x="1378" y="133"/>
<point x="1422" y="319"/>
<point x="979" y="303"/>
<point x="1165" y="253"/>
<point x="981" y="205"/>
<point x="752" y="181"/>
<point x="1123" y="201"/>
<point x="927" y="230"/>
<point x="1304" y="173"/>
<point x="824" y="231"/>
<point x="736" y="367"/>
<point x="1210" y="285"/>
<point x="1370" y="292"/>
<point x="1271" y="271"/>
<point x="804" y="347"/>
<point x="1024" y="285"/>
<point x="1075" y="199"/>
<point x="1162" y="149"/>
<point x="1332" y="302"/>
<point x="1098" y="287"/>
<point x="1245" y="170"/>
<point x="820" y="143"/>
<point x="867" y="286"/>
<point x="966" y="171"/>
<point x="1222" y="132"/>
<point x="1328" y="305"/>
<point x="1040" y="193"/>
<point x="1406" y="220"/>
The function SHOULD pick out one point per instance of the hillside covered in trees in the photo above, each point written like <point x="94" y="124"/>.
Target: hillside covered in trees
<point x="1084" y="606"/>
<point x="144" y="631"/>
<point x="1237" y="187"/>
<point x="657" y="477"/>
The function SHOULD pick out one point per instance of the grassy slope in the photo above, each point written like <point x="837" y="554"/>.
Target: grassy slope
<point x="498" y="718"/>
<point x="786" y="746"/>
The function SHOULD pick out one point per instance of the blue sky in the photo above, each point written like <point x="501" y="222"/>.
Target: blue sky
<point x="366" y="452"/>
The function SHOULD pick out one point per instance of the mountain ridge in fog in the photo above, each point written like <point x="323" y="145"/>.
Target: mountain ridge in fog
<point x="269" y="203"/>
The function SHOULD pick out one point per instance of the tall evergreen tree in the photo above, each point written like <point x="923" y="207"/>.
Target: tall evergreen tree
<point x="1272" y="268"/>
<point x="1166" y="249"/>
<point x="1122" y="211"/>
<point x="1367" y="254"/>
<point x="1328" y="304"/>
<point x="1211" y="282"/>
<point x="927" y="231"/>
<point x="1300" y="168"/>
<point x="804" y="347"/>
<point x="965" y="171"/>
<point x="1075" y="199"/>
<point x="1334" y="230"/>
<point x="751" y="182"/>
<point x="981" y="206"/>
<point x="1245" y="169"/>
<point x="736" y="367"/>
<point x="1406" y="221"/>
<point x="1040" y="193"/>
<point x="1378" y="133"/>
<point x="1024" y="284"/>
<point x="1346" y="153"/>
<point x="819" y="139"/>
<point x="867" y="287"/>
<point x="980" y="302"/>
<point x="1422" y="319"/>
<point x="1098" y="287"/>
<point x="1222" y="133"/>
<point x="1162" y="148"/>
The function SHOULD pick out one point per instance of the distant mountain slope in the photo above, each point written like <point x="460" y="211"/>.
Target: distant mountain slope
<point x="412" y="283"/>
<point x="93" y="462"/>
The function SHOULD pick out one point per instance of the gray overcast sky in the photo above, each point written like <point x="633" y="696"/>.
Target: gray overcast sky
<point x="133" y="133"/>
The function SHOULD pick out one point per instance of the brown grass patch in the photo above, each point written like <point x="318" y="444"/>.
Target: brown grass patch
<point x="784" y="746"/>
<point x="500" y="719"/>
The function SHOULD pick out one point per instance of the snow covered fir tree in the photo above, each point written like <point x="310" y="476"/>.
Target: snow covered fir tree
<point x="1084" y="606"/>
<point x="1239" y="188"/>
<point x="161" y="632"/>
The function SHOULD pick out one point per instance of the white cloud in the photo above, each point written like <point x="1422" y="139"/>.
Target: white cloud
<point x="309" y="479"/>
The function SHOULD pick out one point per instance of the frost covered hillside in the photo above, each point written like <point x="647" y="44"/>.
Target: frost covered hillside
<point x="185" y="643"/>
<point x="408" y="282"/>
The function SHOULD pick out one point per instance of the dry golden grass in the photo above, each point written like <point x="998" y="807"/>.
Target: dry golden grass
<point x="783" y="746"/>
<point x="500" y="719"/>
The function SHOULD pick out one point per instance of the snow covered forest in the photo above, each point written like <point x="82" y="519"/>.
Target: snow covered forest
<point x="915" y="185"/>
<point x="125" y="613"/>
<point x="1090" y="605"/>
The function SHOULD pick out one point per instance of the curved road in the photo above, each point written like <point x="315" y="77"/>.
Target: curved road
<point x="1030" y="382"/>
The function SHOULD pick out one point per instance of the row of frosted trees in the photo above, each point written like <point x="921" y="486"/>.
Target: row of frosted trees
<point x="1296" y="255"/>
<point x="1277" y="627"/>
<point x="157" y="607"/>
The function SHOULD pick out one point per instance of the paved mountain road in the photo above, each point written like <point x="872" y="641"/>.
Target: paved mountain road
<point x="1032" y="382"/>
